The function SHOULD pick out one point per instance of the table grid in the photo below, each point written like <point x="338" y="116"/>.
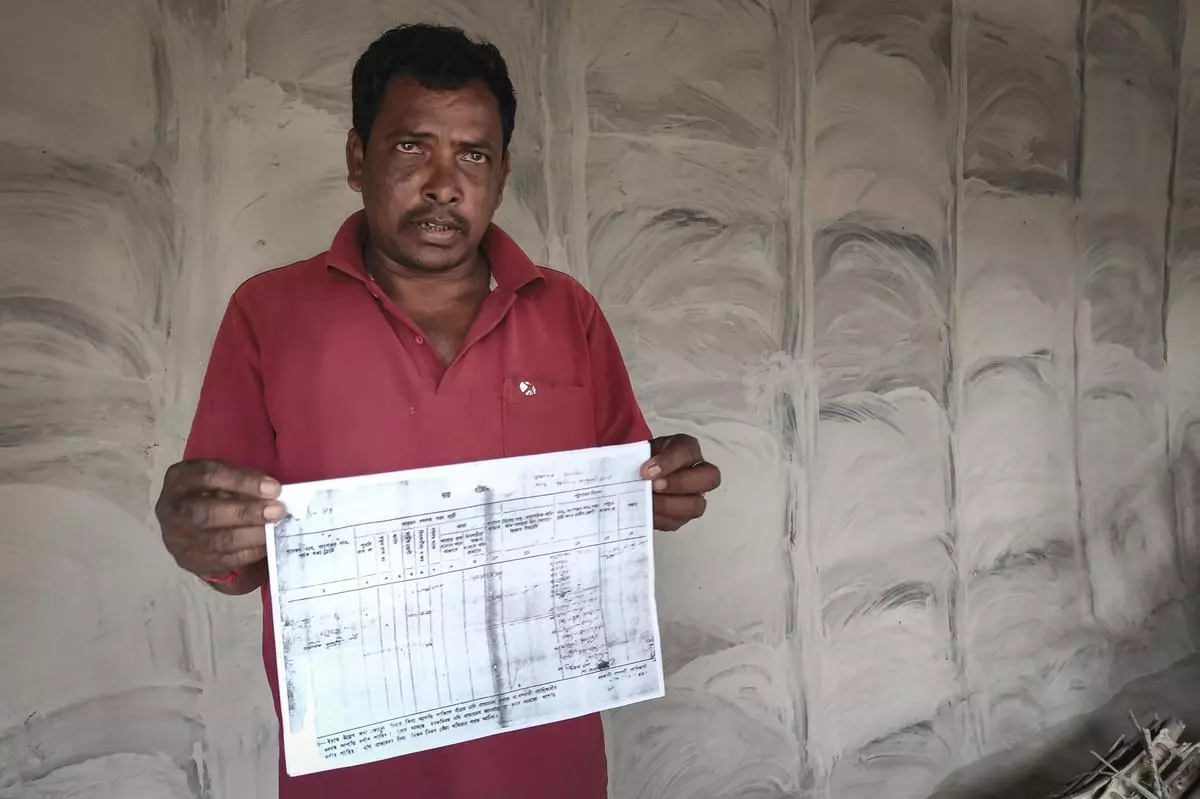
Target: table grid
<point x="398" y="613"/>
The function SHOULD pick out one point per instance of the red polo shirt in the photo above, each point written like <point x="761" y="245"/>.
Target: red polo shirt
<point x="315" y="373"/>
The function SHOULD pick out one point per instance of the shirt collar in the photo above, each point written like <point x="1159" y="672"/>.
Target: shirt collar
<point x="512" y="269"/>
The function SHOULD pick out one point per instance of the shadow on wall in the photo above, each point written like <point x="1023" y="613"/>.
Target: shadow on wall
<point x="1048" y="760"/>
<point x="135" y="743"/>
<point x="104" y="701"/>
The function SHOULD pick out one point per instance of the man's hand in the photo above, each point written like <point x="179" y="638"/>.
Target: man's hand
<point x="681" y="477"/>
<point x="213" y="517"/>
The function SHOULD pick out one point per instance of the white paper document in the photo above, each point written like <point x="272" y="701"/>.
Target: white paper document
<point x="418" y="609"/>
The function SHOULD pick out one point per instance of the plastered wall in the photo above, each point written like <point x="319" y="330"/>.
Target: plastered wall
<point x="923" y="276"/>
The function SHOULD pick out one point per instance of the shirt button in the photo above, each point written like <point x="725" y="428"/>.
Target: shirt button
<point x="419" y="340"/>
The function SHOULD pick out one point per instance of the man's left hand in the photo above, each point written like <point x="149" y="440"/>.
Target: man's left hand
<point x="681" y="477"/>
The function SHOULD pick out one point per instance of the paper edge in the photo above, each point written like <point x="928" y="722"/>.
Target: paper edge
<point x="426" y="472"/>
<point x="642" y="447"/>
<point x="284" y="715"/>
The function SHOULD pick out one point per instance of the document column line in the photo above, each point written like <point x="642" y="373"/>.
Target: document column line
<point x="396" y="649"/>
<point x="409" y="638"/>
<point x="555" y="609"/>
<point x="600" y="596"/>
<point x="442" y="642"/>
<point x="466" y="631"/>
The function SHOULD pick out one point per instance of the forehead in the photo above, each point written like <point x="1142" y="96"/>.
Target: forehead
<point x="406" y="103"/>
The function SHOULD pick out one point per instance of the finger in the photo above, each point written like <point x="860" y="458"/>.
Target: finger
<point x="681" y="508"/>
<point x="220" y="565"/>
<point x="189" y="477"/>
<point x="699" y="479"/>
<point x="678" y="452"/>
<point x="667" y="525"/>
<point x="211" y="513"/>
<point x="232" y="540"/>
<point x="241" y="558"/>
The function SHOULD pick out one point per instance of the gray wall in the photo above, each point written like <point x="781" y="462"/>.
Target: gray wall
<point x="923" y="275"/>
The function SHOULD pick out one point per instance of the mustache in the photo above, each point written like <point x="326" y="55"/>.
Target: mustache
<point x="447" y="217"/>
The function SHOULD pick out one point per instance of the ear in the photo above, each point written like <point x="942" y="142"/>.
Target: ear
<point x="355" y="153"/>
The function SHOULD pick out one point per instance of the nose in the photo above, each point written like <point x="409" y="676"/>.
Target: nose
<point x="442" y="185"/>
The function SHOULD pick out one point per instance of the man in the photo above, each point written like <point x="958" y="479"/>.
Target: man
<point x="424" y="336"/>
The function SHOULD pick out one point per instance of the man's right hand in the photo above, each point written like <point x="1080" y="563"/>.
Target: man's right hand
<point x="213" y="518"/>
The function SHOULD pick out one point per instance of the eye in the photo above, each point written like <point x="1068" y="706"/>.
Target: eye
<point x="408" y="147"/>
<point x="475" y="157"/>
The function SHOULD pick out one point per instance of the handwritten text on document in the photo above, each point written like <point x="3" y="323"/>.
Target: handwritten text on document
<point x="425" y="608"/>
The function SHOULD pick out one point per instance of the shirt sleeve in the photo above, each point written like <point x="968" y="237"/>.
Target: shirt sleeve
<point x="619" y="420"/>
<point x="231" y="423"/>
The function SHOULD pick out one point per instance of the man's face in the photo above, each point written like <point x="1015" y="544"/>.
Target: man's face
<point x="431" y="175"/>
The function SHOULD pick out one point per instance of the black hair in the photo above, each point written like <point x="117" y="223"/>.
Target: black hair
<point x="438" y="58"/>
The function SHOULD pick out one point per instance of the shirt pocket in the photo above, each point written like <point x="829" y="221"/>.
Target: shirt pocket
<point x="543" y="416"/>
